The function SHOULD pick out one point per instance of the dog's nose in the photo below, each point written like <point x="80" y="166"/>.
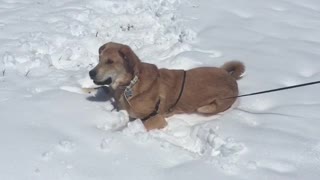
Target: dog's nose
<point x="92" y="74"/>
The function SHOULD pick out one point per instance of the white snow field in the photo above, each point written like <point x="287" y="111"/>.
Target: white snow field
<point x="51" y="129"/>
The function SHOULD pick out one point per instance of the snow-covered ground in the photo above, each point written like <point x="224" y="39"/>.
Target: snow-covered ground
<point x="50" y="129"/>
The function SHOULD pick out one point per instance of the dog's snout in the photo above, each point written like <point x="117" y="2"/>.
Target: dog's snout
<point x="92" y="74"/>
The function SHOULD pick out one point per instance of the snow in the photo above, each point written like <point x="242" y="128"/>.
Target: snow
<point x="51" y="128"/>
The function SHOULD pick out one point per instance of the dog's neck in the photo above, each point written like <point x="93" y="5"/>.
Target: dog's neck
<point x="143" y="78"/>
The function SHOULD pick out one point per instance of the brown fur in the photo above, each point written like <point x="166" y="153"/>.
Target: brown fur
<point x="204" y="91"/>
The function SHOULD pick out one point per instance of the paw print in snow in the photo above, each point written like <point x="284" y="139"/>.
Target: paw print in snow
<point x="216" y="146"/>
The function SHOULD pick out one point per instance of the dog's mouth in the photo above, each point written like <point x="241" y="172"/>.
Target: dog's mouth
<point x="106" y="82"/>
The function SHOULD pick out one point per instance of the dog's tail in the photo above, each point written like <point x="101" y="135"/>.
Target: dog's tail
<point x="234" y="68"/>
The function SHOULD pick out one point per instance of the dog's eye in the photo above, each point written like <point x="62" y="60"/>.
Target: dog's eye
<point x="109" y="61"/>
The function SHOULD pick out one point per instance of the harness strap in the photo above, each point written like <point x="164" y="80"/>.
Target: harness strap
<point x="181" y="91"/>
<point x="155" y="112"/>
<point x="156" y="109"/>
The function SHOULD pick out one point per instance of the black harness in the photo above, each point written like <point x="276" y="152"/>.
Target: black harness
<point x="155" y="112"/>
<point x="156" y="109"/>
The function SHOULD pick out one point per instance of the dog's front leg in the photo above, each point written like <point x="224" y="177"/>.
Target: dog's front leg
<point x="155" y="122"/>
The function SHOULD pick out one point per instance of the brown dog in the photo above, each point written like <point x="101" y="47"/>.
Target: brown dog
<point x="151" y="94"/>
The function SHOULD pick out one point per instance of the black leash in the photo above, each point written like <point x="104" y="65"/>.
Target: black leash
<point x="278" y="89"/>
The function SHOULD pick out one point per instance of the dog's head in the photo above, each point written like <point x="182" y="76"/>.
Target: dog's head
<point x="117" y="65"/>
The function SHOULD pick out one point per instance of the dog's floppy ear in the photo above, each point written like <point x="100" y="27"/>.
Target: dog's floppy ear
<point x="131" y="60"/>
<point x="102" y="48"/>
